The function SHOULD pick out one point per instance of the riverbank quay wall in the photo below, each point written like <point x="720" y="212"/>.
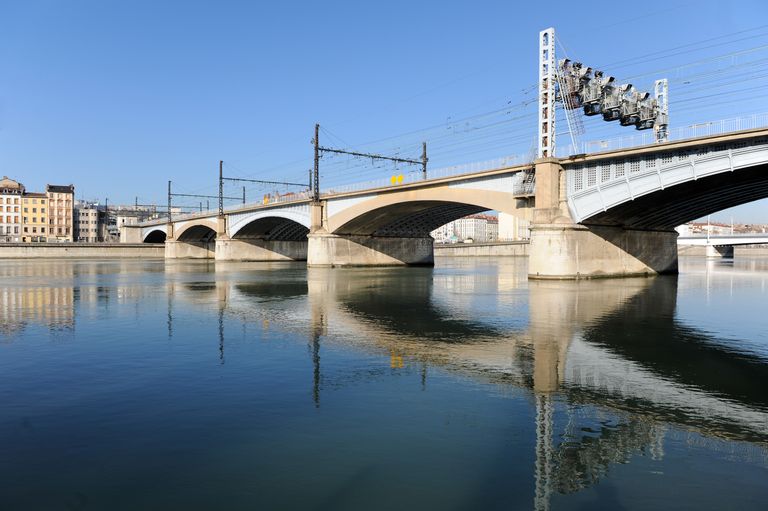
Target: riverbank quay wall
<point x="500" y="249"/>
<point x="750" y="250"/>
<point x="157" y="251"/>
<point x="81" y="251"/>
<point x="725" y="251"/>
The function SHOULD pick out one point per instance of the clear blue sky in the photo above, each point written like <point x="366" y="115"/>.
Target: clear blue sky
<point x="119" y="97"/>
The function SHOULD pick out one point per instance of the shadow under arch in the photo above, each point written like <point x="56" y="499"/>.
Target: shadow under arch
<point x="197" y="233"/>
<point x="407" y="219"/>
<point x="155" y="236"/>
<point x="272" y="228"/>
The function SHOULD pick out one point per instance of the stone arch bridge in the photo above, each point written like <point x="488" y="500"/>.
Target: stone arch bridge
<point x="597" y="215"/>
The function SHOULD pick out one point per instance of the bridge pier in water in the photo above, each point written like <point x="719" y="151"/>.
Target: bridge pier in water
<point x="717" y="251"/>
<point x="259" y="249"/>
<point x="341" y="250"/>
<point x="189" y="249"/>
<point x="562" y="249"/>
<point x="331" y="250"/>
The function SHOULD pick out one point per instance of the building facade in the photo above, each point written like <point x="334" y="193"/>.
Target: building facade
<point x="477" y="228"/>
<point x="11" y="193"/>
<point x="34" y="217"/>
<point x="61" y="200"/>
<point x="88" y="223"/>
<point x="444" y="234"/>
<point x="492" y="228"/>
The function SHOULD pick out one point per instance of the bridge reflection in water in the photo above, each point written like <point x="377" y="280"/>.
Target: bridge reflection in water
<point x="607" y="363"/>
<point x="610" y="369"/>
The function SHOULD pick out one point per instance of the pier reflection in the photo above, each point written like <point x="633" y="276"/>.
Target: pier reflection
<point x="610" y="370"/>
<point x="607" y="363"/>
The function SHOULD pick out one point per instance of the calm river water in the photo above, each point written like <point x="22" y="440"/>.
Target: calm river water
<point x="146" y="385"/>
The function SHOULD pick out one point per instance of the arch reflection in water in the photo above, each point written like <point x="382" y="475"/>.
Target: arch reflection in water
<point x="592" y="376"/>
<point x="609" y="365"/>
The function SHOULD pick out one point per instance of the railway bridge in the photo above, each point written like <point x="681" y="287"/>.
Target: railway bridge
<point x="605" y="214"/>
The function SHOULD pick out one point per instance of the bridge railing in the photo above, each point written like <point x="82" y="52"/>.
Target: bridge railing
<point x="274" y="198"/>
<point x="647" y="137"/>
<point x="439" y="173"/>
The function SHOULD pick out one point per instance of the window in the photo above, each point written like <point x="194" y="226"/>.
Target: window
<point x="26" y="229"/>
<point x="34" y="230"/>
<point x="42" y="201"/>
<point x="16" y="230"/>
<point x="15" y="209"/>
<point x="42" y="229"/>
<point x="26" y="210"/>
<point x="34" y="220"/>
<point x="42" y="210"/>
<point x="25" y="220"/>
<point x="34" y="210"/>
<point x="59" y="230"/>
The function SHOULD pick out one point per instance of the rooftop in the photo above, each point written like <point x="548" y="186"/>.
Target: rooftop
<point x="8" y="183"/>
<point x="60" y="188"/>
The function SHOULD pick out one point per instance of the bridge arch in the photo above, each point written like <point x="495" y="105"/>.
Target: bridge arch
<point x="664" y="189"/>
<point x="417" y="213"/>
<point x="271" y="225"/>
<point x="156" y="232"/>
<point x="196" y="231"/>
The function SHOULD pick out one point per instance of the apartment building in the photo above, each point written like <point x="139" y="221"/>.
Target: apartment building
<point x="11" y="193"/>
<point x="478" y="228"/>
<point x="89" y="225"/>
<point x="61" y="199"/>
<point x="34" y="217"/>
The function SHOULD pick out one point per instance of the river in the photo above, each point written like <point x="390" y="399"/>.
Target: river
<point x="191" y="385"/>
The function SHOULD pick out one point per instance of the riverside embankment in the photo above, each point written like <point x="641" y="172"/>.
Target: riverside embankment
<point x="80" y="250"/>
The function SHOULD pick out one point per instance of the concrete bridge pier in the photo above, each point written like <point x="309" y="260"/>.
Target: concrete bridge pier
<point x="260" y="249"/>
<point x="715" y="251"/>
<point x="189" y="249"/>
<point x="189" y="245"/>
<point x="331" y="250"/>
<point x="341" y="250"/>
<point x="563" y="249"/>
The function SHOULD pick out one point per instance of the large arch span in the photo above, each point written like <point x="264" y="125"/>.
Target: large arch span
<point x="662" y="189"/>
<point x="666" y="209"/>
<point x="271" y="228"/>
<point x="415" y="214"/>
<point x="192" y="240"/>
<point x="265" y="237"/>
